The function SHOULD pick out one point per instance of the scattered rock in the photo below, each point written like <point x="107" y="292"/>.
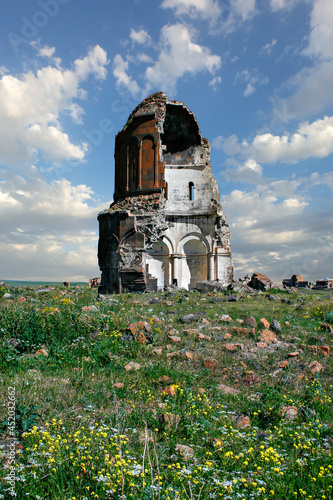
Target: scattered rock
<point x="264" y="322"/>
<point x="172" y="354"/>
<point x="243" y="422"/>
<point x="132" y="366"/>
<point x="188" y="355"/>
<point x="268" y="337"/>
<point x="164" y="378"/>
<point x="42" y="352"/>
<point x="175" y="338"/>
<point x="185" y="451"/>
<point x="289" y="413"/>
<point x="250" y="321"/>
<point x="227" y="336"/>
<point x="251" y="378"/>
<point x="143" y="338"/>
<point x="188" y="318"/>
<point x="239" y="331"/>
<point x="119" y="385"/>
<point x="293" y="354"/>
<point x="261" y="345"/>
<point x="154" y="301"/>
<point x="91" y="308"/>
<point x="283" y="364"/>
<point x="226" y="318"/>
<point x="141" y="331"/>
<point x="233" y="347"/>
<point x="139" y="326"/>
<point x="8" y="296"/>
<point x="271" y="297"/>
<point x="170" y="390"/>
<point x="324" y="350"/>
<point x="191" y="331"/>
<point x="312" y="348"/>
<point x="210" y="363"/>
<point x="158" y="351"/>
<point x="315" y="367"/>
<point x="275" y="326"/>
<point x="228" y="390"/>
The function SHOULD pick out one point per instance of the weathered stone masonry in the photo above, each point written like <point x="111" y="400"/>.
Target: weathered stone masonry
<point x="166" y="225"/>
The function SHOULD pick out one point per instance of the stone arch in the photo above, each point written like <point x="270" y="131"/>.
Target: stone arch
<point x="193" y="236"/>
<point x="157" y="262"/>
<point x="194" y="260"/>
<point x="131" y="250"/>
<point x="169" y="243"/>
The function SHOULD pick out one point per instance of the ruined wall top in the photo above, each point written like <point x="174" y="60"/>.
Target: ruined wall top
<point x="157" y="133"/>
<point x="156" y="104"/>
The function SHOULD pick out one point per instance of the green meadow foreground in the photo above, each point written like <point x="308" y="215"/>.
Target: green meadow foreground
<point x="122" y="398"/>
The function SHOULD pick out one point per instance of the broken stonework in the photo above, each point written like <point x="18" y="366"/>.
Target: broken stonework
<point x="166" y="225"/>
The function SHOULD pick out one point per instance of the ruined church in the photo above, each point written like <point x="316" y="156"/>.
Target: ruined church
<point x="166" y="225"/>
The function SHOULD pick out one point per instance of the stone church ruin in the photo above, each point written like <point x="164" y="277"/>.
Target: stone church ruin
<point x="166" y="225"/>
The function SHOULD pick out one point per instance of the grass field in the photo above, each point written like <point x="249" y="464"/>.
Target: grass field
<point x="121" y="399"/>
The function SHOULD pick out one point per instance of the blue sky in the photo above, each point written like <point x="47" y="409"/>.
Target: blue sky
<point x="258" y="74"/>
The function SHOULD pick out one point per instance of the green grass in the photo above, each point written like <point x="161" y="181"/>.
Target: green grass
<point x="88" y="428"/>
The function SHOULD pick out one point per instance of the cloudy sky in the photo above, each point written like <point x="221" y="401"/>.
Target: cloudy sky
<point x="258" y="74"/>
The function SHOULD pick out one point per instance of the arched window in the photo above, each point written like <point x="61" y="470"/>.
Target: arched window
<point x="191" y="191"/>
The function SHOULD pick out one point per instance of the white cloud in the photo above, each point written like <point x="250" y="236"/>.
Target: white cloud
<point x="46" y="51"/>
<point x="215" y="82"/>
<point x="31" y="106"/>
<point x="243" y="8"/>
<point x="313" y="86"/>
<point x="49" y="230"/>
<point x="310" y="140"/>
<point x="206" y="9"/>
<point x="270" y="232"/>
<point x="140" y="37"/>
<point x="179" y="55"/>
<point x="267" y="49"/>
<point x="94" y="63"/>
<point x="277" y="5"/>
<point x="239" y="11"/>
<point x="250" y="89"/>
<point x="250" y="172"/>
<point x="120" y="68"/>
<point x="144" y="58"/>
<point x="231" y="146"/>
<point x="314" y="91"/>
<point x="218" y="142"/>
<point x="252" y="79"/>
<point x="321" y="37"/>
